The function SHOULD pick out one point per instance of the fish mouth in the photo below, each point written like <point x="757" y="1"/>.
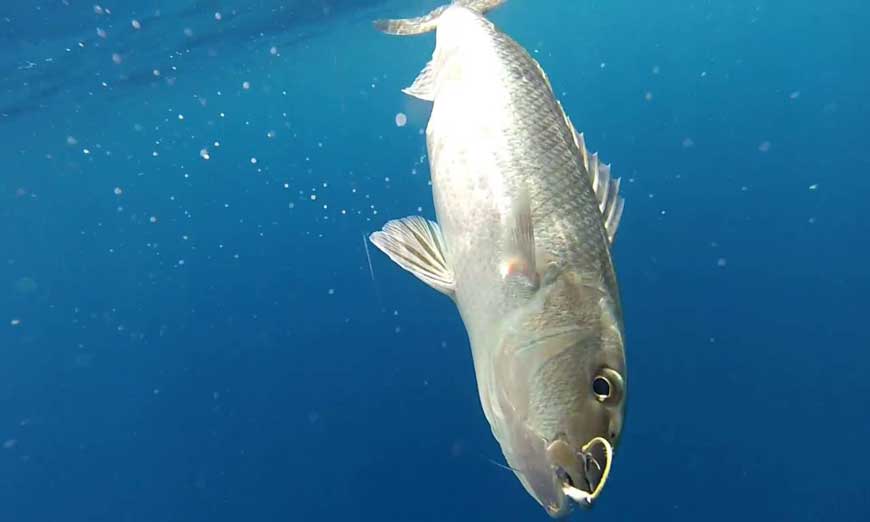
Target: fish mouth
<point x="584" y="483"/>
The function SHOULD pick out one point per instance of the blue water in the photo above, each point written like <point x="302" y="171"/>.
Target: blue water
<point x="191" y="339"/>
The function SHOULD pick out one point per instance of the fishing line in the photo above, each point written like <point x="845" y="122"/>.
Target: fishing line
<point x="372" y="271"/>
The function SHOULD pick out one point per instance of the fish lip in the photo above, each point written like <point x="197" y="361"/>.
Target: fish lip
<point x="561" y="511"/>
<point x="573" y="494"/>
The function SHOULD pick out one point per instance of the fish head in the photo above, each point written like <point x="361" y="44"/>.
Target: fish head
<point x="561" y="396"/>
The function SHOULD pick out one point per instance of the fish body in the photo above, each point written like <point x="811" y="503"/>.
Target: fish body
<point x="522" y="244"/>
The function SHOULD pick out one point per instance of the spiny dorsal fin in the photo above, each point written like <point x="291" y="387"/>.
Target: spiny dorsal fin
<point x="610" y="203"/>
<point x="417" y="245"/>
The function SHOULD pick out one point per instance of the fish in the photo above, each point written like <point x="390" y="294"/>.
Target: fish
<point x="525" y="220"/>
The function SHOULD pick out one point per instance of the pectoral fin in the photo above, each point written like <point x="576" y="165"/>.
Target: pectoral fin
<point x="520" y="263"/>
<point x="416" y="244"/>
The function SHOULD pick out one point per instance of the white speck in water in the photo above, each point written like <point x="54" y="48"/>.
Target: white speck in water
<point x="648" y="96"/>
<point x="203" y="153"/>
<point x="117" y="58"/>
<point x="218" y="16"/>
<point x="331" y="291"/>
<point x="401" y="119"/>
<point x="181" y="116"/>
<point x="86" y="151"/>
<point x="246" y="85"/>
<point x="764" y="146"/>
<point x="101" y="32"/>
<point x="253" y="161"/>
<point x="270" y="134"/>
<point x="273" y="51"/>
<point x="153" y="219"/>
<point x="721" y="262"/>
<point x="136" y="24"/>
<point x="15" y="322"/>
<point x="795" y="95"/>
<point x="814" y="186"/>
<point x="118" y="191"/>
<point x="70" y="140"/>
<point x="313" y="197"/>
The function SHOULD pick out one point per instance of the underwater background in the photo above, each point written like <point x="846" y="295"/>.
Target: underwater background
<point x="192" y="328"/>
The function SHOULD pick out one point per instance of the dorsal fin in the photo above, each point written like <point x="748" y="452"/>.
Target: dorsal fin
<point x="606" y="189"/>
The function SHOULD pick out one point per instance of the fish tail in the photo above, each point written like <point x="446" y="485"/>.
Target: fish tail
<point x="428" y="22"/>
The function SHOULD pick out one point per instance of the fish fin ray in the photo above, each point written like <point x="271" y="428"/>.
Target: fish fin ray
<point x="424" y="85"/>
<point x="411" y="26"/>
<point x="481" y="6"/>
<point x="606" y="188"/>
<point x="429" y="22"/>
<point x="521" y="241"/>
<point x="416" y="244"/>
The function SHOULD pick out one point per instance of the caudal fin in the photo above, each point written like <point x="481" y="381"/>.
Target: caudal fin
<point x="428" y="22"/>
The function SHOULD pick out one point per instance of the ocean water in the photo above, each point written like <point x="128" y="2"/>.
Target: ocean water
<point x="191" y="327"/>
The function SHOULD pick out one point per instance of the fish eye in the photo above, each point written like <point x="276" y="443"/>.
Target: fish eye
<point x="601" y="387"/>
<point x="608" y="386"/>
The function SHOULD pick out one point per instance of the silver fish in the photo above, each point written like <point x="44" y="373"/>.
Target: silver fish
<point x="526" y="219"/>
